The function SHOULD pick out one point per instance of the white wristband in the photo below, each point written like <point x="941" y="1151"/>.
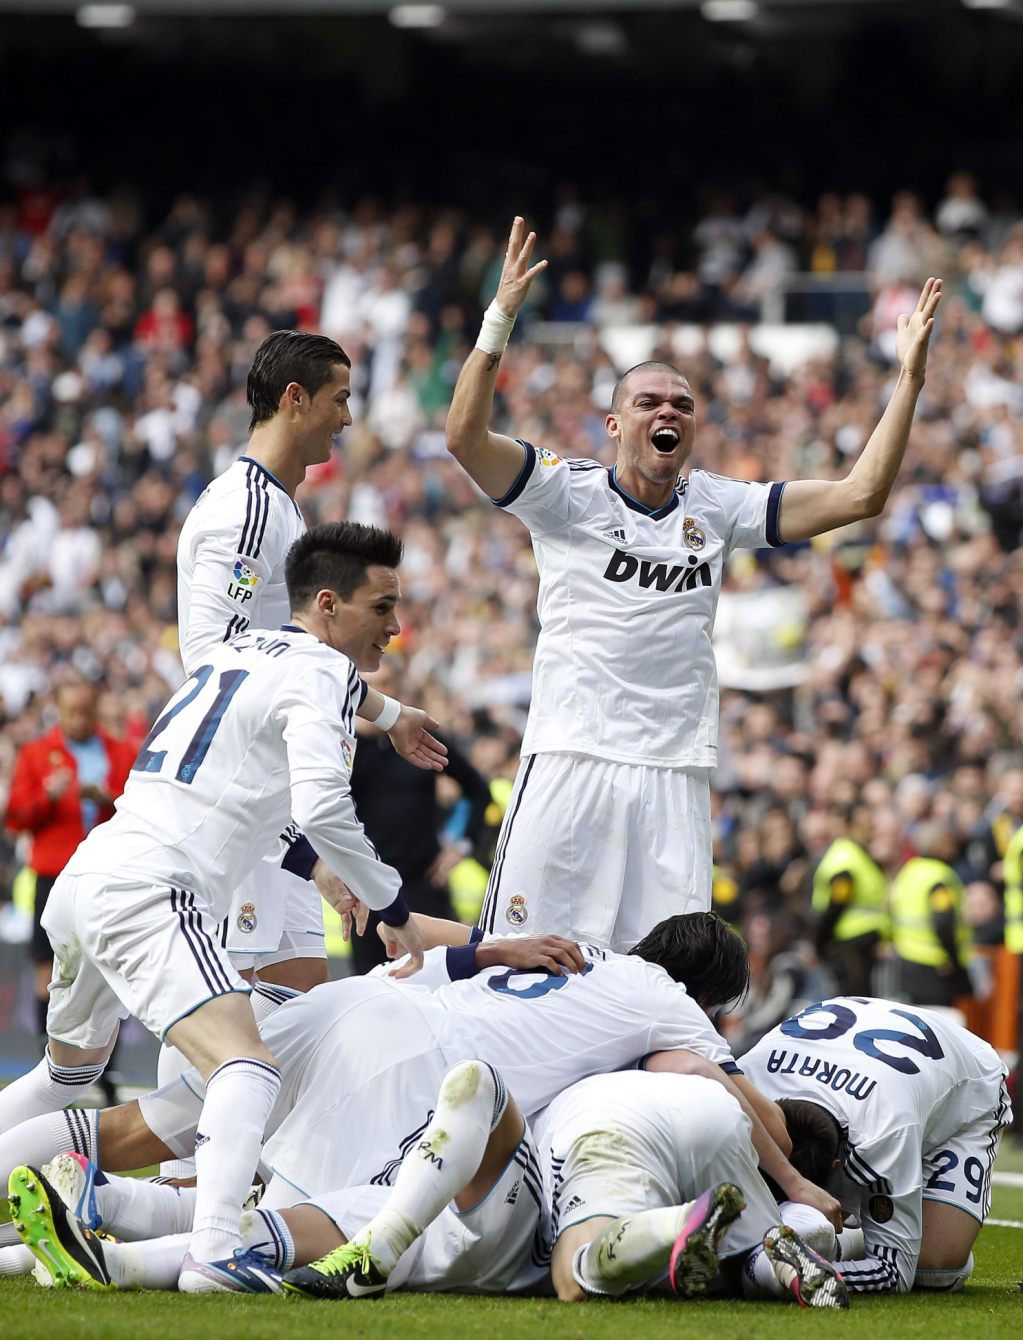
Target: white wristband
<point x="388" y="715"/>
<point x="495" y="331"/>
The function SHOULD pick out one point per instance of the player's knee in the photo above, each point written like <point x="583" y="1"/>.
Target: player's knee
<point x="944" y="1280"/>
<point x="473" y="1085"/>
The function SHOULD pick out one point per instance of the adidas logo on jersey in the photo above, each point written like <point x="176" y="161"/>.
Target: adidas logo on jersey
<point x="513" y="1194"/>
<point x="573" y="1204"/>
<point x="660" y="576"/>
<point x="616" y="535"/>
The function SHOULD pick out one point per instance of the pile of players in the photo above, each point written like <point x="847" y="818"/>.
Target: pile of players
<point x="530" y="1109"/>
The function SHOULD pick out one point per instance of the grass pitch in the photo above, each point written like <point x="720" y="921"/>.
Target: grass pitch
<point x="991" y="1308"/>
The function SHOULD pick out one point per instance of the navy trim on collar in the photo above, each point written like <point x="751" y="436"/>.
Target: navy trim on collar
<point x="655" y="513"/>
<point x="269" y="474"/>
<point x="294" y="628"/>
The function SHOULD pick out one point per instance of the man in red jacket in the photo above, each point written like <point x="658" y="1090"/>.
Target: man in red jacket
<point x="64" y="784"/>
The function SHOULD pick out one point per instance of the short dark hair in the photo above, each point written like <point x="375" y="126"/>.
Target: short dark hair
<point x="816" y="1138"/>
<point x="334" y="557"/>
<point x="617" y="393"/>
<point x="289" y="356"/>
<point x="701" y="951"/>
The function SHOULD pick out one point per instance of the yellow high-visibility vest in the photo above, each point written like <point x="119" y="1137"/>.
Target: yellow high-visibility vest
<point x="1012" y="875"/>
<point x="921" y="887"/>
<point x="849" y="875"/>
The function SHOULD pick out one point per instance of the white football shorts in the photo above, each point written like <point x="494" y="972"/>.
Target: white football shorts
<point x="600" y="852"/>
<point x="614" y="1145"/>
<point x="122" y="946"/>
<point x="274" y="916"/>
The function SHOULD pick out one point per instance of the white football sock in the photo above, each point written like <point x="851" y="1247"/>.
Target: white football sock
<point x="156" y="1263"/>
<point x="46" y="1088"/>
<point x="135" y="1209"/>
<point x="817" y="1232"/>
<point x="470" y="1104"/>
<point x="170" y="1065"/>
<point x="16" y="1260"/>
<point x="759" y="1279"/>
<point x="39" y="1139"/>
<point x="239" y="1097"/>
<point x="640" y="1249"/>
<point x="267" y="998"/>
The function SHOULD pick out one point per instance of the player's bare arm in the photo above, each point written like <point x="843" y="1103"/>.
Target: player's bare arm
<point x="812" y="506"/>
<point x="410" y="733"/>
<point x="493" y="461"/>
<point x="545" y="953"/>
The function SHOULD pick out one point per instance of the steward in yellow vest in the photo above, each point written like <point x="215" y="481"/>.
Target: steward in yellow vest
<point x="1012" y="874"/>
<point x="930" y="934"/>
<point x="850" y="903"/>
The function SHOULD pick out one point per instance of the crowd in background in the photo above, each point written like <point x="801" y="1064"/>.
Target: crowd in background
<point x="124" y="346"/>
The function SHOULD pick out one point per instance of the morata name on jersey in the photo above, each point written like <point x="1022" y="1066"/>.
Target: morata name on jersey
<point x="824" y="1072"/>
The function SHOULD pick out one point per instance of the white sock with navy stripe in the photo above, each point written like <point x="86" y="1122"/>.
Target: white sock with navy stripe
<point x="135" y="1209"/>
<point x="267" y="997"/>
<point x="264" y="1231"/>
<point x="156" y="1264"/>
<point x="35" y="1142"/>
<point x="239" y="1096"/>
<point x="471" y="1102"/>
<point x="46" y="1088"/>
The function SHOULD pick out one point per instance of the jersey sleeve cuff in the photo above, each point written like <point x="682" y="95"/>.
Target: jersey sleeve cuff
<point x="523" y="476"/>
<point x="461" y="962"/>
<point x="476" y="935"/>
<point x="300" y="858"/>
<point x="774" y="538"/>
<point x="396" y="914"/>
<point x="730" y="1068"/>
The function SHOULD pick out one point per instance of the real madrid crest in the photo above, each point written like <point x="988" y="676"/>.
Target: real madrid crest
<point x="516" y="912"/>
<point x="693" y="535"/>
<point x="247" y="918"/>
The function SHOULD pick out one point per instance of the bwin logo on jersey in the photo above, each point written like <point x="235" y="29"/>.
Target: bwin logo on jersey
<point x="661" y="576"/>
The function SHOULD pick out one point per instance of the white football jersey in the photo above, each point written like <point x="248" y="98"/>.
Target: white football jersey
<point x="260" y="732"/>
<point x="624" y="667"/>
<point x="903" y="1083"/>
<point x="231" y="554"/>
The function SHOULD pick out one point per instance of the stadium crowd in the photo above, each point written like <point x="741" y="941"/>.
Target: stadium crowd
<point x="124" y="345"/>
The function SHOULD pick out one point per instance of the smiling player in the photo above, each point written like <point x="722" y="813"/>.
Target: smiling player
<point x="614" y="785"/>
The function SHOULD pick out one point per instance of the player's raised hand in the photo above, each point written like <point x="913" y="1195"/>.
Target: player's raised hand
<point x="544" y="953"/>
<point x="411" y="738"/>
<point x="337" y="893"/>
<point x="517" y="274"/>
<point x="914" y="332"/>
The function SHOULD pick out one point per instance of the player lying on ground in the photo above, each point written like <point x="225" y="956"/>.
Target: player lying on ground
<point x="347" y="1051"/>
<point x="261" y="732"/>
<point x="909" y="1110"/>
<point x="652" y="1178"/>
<point x="465" y="1212"/>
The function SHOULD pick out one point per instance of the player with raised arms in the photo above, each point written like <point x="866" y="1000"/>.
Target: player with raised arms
<point x="614" y="784"/>
<point x="263" y="730"/>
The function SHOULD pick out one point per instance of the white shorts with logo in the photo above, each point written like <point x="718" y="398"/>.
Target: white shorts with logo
<point x="274" y="916"/>
<point x="123" y="946"/>
<point x="600" y="851"/>
<point x="613" y="1145"/>
<point x="958" y="1172"/>
<point x="499" y="1246"/>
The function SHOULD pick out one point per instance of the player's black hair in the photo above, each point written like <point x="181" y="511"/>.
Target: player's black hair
<point x="334" y="557"/>
<point x="289" y="356"/>
<point x="816" y="1138"/>
<point x="616" y="394"/>
<point x="702" y="952"/>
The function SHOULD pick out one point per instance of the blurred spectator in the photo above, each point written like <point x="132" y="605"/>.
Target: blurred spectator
<point x="400" y="811"/>
<point x="64" y="783"/>
<point x="930" y="934"/>
<point x="850" y="900"/>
